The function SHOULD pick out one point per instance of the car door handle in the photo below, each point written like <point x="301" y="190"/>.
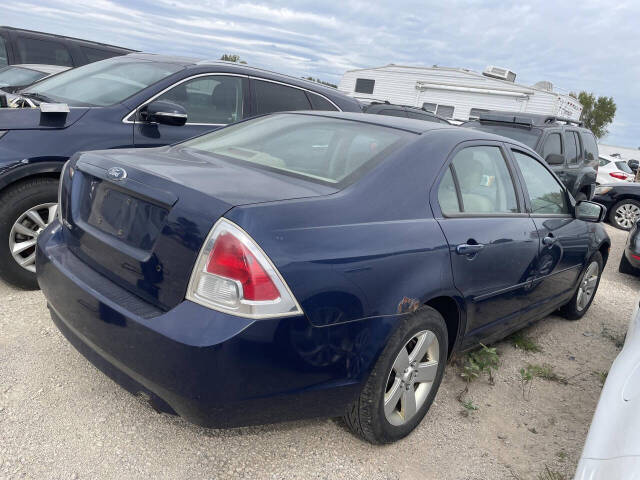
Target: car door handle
<point x="549" y="240"/>
<point x="469" y="249"/>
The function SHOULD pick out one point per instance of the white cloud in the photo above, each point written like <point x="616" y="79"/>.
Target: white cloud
<point x="593" y="45"/>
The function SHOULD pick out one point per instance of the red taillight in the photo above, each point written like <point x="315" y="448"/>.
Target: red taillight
<point x="619" y="175"/>
<point x="637" y="257"/>
<point x="231" y="259"/>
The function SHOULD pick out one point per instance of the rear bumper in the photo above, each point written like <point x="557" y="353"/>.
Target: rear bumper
<point x="211" y="368"/>
<point x="632" y="257"/>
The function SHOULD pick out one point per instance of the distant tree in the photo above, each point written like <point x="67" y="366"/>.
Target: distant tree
<point x="317" y="80"/>
<point x="231" y="58"/>
<point x="573" y="94"/>
<point x="597" y="114"/>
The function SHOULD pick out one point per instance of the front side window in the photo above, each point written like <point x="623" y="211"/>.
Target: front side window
<point x="4" y="58"/>
<point x="273" y="97"/>
<point x="484" y="182"/>
<point x="552" y="146"/>
<point x="214" y="99"/>
<point x="103" y="83"/>
<point x="365" y="85"/>
<point x="329" y="150"/>
<point x="545" y="193"/>
<point x="33" y="50"/>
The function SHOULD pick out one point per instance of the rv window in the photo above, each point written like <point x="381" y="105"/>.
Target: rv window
<point x="429" y="107"/>
<point x="445" y="111"/>
<point x="364" y="85"/>
<point x="475" y="113"/>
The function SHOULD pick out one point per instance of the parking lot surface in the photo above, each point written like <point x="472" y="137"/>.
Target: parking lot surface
<point x="60" y="418"/>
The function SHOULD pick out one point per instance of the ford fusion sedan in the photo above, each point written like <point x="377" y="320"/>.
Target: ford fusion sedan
<point x="622" y="201"/>
<point x="136" y="100"/>
<point x="630" y="261"/>
<point x="311" y="264"/>
<point x="612" y="449"/>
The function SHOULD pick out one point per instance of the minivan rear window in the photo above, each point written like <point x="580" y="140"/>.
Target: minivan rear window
<point x="327" y="150"/>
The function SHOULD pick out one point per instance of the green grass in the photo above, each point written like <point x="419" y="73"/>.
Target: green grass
<point x="551" y="475"/>
<point x="616" y="339"/>
<point x="524" y="343"/>
<point x="545" y="372"/>
<point x="469" y="405"/>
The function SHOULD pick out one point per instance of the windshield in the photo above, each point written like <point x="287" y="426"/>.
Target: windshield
<point x="17" y="76"/>
<point x="528" y="136"/>
<point x="327" y="150"/>
<point x="623" y="166"/>
<point x="103" y="83"/>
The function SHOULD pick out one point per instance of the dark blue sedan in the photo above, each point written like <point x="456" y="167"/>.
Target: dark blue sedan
<point x="136" y="100"/>
<point x="311" y="264"/>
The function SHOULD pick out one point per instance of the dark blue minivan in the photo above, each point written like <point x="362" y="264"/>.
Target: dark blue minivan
<point x="136" y="100"/>
<point x="311" y="264"/>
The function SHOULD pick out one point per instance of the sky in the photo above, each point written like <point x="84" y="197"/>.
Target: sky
<point x="590" y="45"/>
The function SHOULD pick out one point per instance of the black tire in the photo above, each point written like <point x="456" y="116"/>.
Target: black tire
<point x="580" y="197"/>
<point x="571" y="311"/>
<point x="14" y="201"/>
<point x="366" y="417"/>
<point x="612" y="213"/>
<point x="626" y="267"/>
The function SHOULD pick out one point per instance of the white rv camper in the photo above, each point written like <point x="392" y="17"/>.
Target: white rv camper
<point x="457" y="93"/>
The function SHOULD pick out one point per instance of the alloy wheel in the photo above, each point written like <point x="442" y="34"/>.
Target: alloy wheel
<point x="25" y="231"/>
<point x="411" y="377"/>
<point x="587" y="286"/>
<point x="626" y="215"/>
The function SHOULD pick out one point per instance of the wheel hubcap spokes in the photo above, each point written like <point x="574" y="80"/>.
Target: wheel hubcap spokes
<point x="627" y="214"/>
<point x="411" y="377"/>
<point x="24" y="233"/>
<point x="587" y="286"/>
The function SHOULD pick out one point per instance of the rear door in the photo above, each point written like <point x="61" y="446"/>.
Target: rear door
<point x="563" y="240"/>
<point x="211" y="100"/>
<point x="492" y="240"/>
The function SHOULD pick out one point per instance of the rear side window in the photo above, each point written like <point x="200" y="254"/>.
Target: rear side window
<point x="590" y="147"/>
<point x="545" y="193"/>
<point x="48" y="52"/>
<point x="552" y="145"/>
<point x="447" y="195"/>
<point x="96" y="54"/>
<point x="4" y="58"/>
<point x="328" y="150"/>
<point x="484" y="183"/>
<point x="273" y="97"/>
<point x="365" y="85"/>
<point x="215" y="99"/>
<point x="318" y="102"/>
<point x="573" y="148"/>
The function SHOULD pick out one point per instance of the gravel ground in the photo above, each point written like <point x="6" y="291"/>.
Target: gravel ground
<point x="60" y="418"/>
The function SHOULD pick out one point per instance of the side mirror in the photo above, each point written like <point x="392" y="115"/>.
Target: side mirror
<point x="164" y="112"/>
<point x="555" y="159"/>
<point x="590" y="211"/>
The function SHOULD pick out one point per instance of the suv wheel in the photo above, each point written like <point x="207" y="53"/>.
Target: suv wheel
<point x="404" y="381"/>
<point x="25" y="210"/>
<point x="624" y="214"/>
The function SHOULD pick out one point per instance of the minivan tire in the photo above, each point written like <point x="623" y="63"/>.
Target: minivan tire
<point x="366" y="417"/>
<point x="14" y="201"/>
<point x="571" y="310"/>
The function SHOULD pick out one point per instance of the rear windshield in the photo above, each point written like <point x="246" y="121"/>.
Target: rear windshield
<point x="17" y="76"/>
<point x="103" y="83"/>
<point x="528" y="136"/>
<point x="327" y="150"/>
<point x="624" y="167"/>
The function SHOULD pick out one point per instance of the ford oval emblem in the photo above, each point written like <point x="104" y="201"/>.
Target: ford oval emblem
<point x="117" y="173"/>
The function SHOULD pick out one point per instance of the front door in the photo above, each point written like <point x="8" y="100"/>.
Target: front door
<point x="563" y="240"/>
<point x="211" y="101"/>
<point x="493" y="241"/>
